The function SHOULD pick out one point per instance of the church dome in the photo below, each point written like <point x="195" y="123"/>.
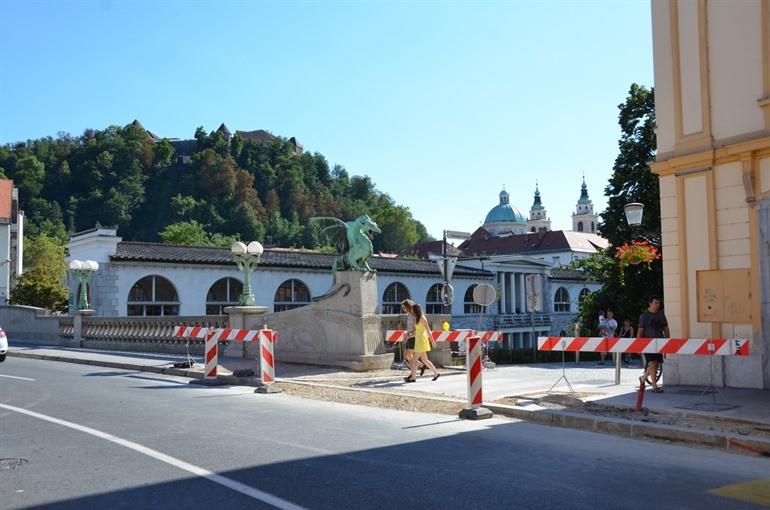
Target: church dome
<point x="504" y="217"/>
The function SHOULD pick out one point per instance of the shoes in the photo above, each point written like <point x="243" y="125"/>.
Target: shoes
<point x="409" y="379"/>
<point x="422" y="370"/>
<point x="436" y="377"/>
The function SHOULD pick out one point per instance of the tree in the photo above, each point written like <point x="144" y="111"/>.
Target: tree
<point x="399" y="230"/>
<point x="631" y="181"/>
<point x="187" y="233"/>
<point x="28" y="177"/>
<point x="42" y="283"/>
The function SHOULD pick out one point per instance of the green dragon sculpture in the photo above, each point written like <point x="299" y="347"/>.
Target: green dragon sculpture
<point x="353" y="243"/>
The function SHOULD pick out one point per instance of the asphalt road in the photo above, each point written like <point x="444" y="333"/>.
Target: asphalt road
<point x="100" y="438"/>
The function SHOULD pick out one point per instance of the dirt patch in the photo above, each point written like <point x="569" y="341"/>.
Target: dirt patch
<point x="405" y="402"/>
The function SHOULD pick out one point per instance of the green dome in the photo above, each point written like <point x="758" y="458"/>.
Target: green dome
<point x="504" y="212"/>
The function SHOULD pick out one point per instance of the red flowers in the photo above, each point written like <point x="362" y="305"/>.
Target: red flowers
<point x="634" y="254"/>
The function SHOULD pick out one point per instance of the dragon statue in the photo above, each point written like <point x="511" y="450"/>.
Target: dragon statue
<point x="353" y="243"/>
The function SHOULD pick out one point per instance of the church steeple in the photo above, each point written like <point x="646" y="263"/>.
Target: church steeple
<point x="538" y="218"/>
<point x="584" y="219"/>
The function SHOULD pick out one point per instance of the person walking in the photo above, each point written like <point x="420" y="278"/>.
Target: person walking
<point x="406" y="307"/>
<point x="627" y="331"/>
<point x="423" y="339"/>
<point x="652" y="324"/>
<point x="607" y="326"/>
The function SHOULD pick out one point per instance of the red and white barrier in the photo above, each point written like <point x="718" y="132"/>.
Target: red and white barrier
<point x="459" y="335"/>
<point x="267" y="358"/>
<point x="211" y="356"/>
<point x="265" y="337"/>
<point x="696" y="346"/>
<point x="473" y="353"/>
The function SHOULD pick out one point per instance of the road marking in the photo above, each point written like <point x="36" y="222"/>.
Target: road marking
<point x="16" y="377"/>
<point x="190" y="468"/>
<point x="756" y="491"/>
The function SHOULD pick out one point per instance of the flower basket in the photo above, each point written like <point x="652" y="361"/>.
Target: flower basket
<point x="633" y="254"/>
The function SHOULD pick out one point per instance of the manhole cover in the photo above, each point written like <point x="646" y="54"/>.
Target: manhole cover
<point x="11" y="463"/>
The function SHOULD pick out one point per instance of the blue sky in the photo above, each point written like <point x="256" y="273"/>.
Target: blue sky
<point x="441" y="103"/>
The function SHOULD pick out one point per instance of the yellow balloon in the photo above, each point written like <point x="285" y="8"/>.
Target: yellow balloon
<point x="445" y="326"/>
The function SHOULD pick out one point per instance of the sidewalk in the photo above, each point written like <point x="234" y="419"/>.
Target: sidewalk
<point x="740" y="420"/>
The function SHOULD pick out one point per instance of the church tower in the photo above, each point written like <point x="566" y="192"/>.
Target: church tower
<point x="538" y="217"/>
<point x="584" y="219"/>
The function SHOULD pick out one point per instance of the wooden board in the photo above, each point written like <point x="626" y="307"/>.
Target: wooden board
<point x="724" y="295"/>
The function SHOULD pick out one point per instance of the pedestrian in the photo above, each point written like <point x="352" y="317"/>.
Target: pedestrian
<point x="423" y="339"/>
<point x="652" y="324"/>
<point x="607" y="327"/>
<point x="406" y="307"/>
<point x="627" y="331"/>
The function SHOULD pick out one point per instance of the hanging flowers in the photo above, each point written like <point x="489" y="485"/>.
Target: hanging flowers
<point x="634" y="254"/>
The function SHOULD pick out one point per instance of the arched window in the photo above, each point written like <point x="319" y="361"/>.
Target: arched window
<point x="583" y="294"/>
<point x="580" y="226"/>
<point x="533" y="229"/>
<point x="434" y="302"/>
<point x="391" y="299"/>
<point x="469" y="305"/>
<point x="561" y="301"/>
<point x="291" y="294"/>
<point x="153" y="295"/>
<point x="225" y="292"/>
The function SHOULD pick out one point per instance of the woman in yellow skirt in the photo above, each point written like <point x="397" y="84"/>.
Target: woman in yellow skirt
<point x="423" y="340"/>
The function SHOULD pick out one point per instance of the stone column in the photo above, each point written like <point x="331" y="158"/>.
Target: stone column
<point x="503" y="294"/>
<point x="522" y="293"/>
<point x="77" y="336"/>
<point x="243" y="317"/>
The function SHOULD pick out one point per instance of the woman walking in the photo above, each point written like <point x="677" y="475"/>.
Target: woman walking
<point x="406" y="307"/>
<point x="422" y="343"/>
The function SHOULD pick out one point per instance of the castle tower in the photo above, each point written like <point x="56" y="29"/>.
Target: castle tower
<point x="538" y="217"/>
<point x="584" y="219"/>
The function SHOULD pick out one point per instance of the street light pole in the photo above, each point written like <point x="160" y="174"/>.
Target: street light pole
<point x="247" y="259"/>
<point x="84" y="271"/>
<point x="446" y="277"/>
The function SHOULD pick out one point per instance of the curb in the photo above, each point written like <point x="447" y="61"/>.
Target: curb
<point x="732" y="443"/>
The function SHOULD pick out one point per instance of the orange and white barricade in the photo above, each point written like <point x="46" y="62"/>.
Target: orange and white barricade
<point x="694" y="346"/>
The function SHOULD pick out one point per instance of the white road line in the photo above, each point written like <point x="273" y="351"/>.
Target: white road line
<point x="190" y="468"/>
<point x="16" y="377"/>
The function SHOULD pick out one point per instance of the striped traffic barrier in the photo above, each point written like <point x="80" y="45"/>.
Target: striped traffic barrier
<point x="474" y="411"/>
<point x="459" y="335"/>
<point x="695" y="346"/>
<point x="210" y="356"/>
<point x="265" y="338"/>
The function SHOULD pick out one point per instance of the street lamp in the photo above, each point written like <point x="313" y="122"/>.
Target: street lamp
<point x="447" y="294"/>
<point x="634" y="212"/>
<point x="246" y="258"/>
<point x="84" y="270"/>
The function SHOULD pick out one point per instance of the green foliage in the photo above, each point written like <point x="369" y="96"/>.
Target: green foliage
<point x="192" y="233"/>
<point x="631" y="181"/>
<point x="42" y="283"/>
<point x="236" y="188"/>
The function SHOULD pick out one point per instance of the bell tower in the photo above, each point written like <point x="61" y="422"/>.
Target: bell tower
<point x="584" y="219"/>
<point x="538" y="217"/>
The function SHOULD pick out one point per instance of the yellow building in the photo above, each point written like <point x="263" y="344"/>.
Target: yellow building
<point x="712" y="101"/>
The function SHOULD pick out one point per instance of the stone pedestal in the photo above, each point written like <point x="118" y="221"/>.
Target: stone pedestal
<point x="340" y="330"/>
<point x="243" y="317"/>
<point x="77" y="337"/>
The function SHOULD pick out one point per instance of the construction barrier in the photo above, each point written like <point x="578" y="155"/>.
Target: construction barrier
<point x="265" y="337"/>
<point x="695" y="346"/>
<point x="210" y="356"/>
<point x="473" y="361"/>
<point x="459" y="335"/>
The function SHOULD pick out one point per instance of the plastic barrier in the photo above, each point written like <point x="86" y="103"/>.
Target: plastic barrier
<point x="696" y="346"/>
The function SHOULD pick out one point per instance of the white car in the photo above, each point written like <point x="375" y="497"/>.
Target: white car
<point x="3" y="345"/>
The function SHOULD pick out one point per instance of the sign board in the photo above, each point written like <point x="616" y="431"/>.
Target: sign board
<point x="484" y="294"/>
<point x="450" y="265"/>
<point x="534" y="287"/>
<point x="724" y="295"/>
<point x="447" y="294"/>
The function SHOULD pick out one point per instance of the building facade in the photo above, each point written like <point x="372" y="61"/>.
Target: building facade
<point x="712" y="102"/>
<point x="11" y="238"/>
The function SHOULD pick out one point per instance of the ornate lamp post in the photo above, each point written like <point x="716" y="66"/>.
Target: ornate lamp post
<point x="246" y="258"/>
<point x="84" y="270"/>
<point x="634" y="212"/>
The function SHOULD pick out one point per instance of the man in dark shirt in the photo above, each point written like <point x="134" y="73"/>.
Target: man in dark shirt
<point x="653" y="324"/>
